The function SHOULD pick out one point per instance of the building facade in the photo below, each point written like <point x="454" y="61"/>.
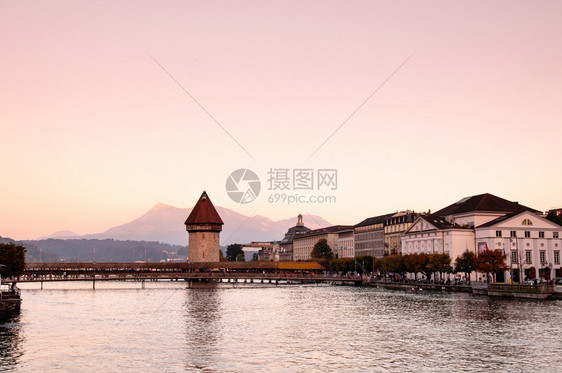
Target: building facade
<point x="531" y="243"/>
<point x="394" y="227"/>
<point x="345" y="247"/>
<point x="482" y="222"/>
<point x="286" y="244"/>
<point x="369" y="236"/>
<point x="304" y="243"/>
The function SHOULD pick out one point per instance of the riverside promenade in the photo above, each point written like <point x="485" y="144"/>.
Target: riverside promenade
<point x="540" y="292"/>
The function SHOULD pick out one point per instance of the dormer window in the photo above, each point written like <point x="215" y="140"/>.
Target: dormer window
<point x="526" y="222"/>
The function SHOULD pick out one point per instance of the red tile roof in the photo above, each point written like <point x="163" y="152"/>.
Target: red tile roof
<point x="204" y="212"/>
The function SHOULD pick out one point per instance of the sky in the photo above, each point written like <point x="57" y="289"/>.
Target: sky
<point x="110" y="107"/>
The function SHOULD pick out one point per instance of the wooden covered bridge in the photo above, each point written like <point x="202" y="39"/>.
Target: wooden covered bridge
<point x="235" y="272"/>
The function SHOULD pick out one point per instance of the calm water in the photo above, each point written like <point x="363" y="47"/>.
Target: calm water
<point x="120" y="327"/>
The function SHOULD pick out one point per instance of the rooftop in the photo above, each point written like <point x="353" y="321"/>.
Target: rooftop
<point x="482" y="203"/>
<point x="204" y="212"/>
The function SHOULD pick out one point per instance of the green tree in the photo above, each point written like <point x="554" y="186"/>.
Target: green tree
<point x="490" y="262"/>
<point x="465" y="264"/>
<point x="12" y="256"/>
<point x="322" y="250"/>
<point x="240" y="257"/>
<point x="222" y="258"/>
<point x="232" y="252"/>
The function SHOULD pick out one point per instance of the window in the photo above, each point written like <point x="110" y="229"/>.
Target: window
<point x="557" y="257"/>
<point x="498" y="233"/>
<point x="543" y="257"/>
<point x="554" y="234"/>
<point x="541" y="234"/>
<point x="526" y="222"/>
<point x="528" y="257"/>
<point x="514" y="257"/>
<point x="527" y="234"/>
<point x="513" y="234"/>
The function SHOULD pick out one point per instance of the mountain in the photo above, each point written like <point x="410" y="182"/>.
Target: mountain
<point x="60" y="234"/>
<point x="165" y="223"/>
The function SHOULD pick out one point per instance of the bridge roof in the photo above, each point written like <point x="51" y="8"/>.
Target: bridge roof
<point x="255" y="265"/>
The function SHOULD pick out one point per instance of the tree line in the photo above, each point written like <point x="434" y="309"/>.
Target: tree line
<point x="489" y="262"/>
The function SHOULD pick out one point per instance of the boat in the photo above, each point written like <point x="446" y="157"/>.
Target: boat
<point x="10" y="297"/>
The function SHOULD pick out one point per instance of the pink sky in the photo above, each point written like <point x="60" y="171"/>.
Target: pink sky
<point x="94" y="132"/>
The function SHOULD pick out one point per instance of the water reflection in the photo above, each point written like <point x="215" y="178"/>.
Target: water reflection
<point x="203" y="315"/>
<point x="10" y="340"/>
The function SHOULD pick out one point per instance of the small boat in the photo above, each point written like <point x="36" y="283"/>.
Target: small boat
<point x="10" y="297"/>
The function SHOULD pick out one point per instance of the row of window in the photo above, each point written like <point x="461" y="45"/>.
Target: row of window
<point x="527" y="234"/>
<point x="529" y="257"/>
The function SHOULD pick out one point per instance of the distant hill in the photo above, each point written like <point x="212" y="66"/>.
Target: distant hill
<point x="107" y="250"/>
<point x="165" y="223"/>
<point x="33" y="253"/>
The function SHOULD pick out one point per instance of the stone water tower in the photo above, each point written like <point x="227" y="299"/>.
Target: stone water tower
<point x="204" y="225"/>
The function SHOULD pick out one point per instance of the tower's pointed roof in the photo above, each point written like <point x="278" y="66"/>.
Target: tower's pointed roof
<point x="204" y="212"/>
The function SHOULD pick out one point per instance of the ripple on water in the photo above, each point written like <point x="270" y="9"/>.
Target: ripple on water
<point x="168" y="328"/>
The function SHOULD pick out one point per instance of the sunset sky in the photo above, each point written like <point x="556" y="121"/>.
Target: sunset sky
<point x="96" y="129"/>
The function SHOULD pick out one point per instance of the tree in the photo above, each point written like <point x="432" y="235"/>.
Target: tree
<point x="240" y="257"/>
<point x="394" y="264"/>
<point x="490" y="262"/>
<point x="415" y="263"/>
<point x="221" y="256"/>
<point x="232" y="252"/>
<point x="440" y="263"/>
<point x="343" y="265"/>
<point x="465" y="263"/>
<point x="322" y="250"/>
<point x="365" y="263"/>
<point x="12" y="256"/>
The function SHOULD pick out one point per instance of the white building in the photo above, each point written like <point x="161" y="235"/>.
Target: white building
<point x="344" y="247"/>
<point x="474" y="224"/>
<point x="531" y="242"/>
<point x="303" y="243"/>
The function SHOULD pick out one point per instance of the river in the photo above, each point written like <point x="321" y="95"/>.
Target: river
<point x="120" y="327"/>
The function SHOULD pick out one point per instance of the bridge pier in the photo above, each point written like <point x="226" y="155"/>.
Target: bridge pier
<point x="143" y="284"/>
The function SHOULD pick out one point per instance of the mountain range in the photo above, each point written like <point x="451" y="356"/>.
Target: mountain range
<point x="165" y="223"/>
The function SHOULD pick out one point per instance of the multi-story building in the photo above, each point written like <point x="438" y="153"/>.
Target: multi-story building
<point x="345" y="247"/>
<point x="531" y="242"/>
<point x="483" y="222"/>
<point x="268" y="251"/>
<point x="394" y="227"/>
<point x="304" y="243"/>
<point x="369" y="236"/>
<point x="286" y="244"/>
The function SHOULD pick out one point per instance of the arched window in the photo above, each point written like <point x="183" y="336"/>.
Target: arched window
<point x="527" y="222"/>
